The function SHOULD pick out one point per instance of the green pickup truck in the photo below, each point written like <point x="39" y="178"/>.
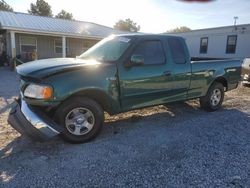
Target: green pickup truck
<point x="68" y="96"/>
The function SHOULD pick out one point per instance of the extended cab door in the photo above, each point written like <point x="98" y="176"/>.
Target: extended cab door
<point x="157" y="81"/>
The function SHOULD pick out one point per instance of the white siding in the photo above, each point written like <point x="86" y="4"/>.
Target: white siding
<point x="217" y="41"/>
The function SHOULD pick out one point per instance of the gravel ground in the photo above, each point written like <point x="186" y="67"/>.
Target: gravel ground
<point x="174" y="146"/>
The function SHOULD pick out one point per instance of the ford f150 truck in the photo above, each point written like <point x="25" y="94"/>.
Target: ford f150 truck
<point x="68" y="96"/>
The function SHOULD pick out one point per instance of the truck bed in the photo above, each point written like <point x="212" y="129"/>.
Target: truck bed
<point x="206" y="71"/>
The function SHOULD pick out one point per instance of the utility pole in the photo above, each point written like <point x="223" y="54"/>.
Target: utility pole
<point x="235" y="20"/>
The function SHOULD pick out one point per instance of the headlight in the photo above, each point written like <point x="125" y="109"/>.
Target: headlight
<point x="38" y="91"/>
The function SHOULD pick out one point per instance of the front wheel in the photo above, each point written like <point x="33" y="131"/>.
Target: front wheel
<point x="214" y="98"/>
<point x="81" y="118"/>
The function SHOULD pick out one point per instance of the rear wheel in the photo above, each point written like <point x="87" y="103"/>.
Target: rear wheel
<point x="82" y="119"/>
<point x="214" y="98"/>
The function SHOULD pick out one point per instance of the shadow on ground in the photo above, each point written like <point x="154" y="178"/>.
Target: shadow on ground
<point x="112" y="126"/>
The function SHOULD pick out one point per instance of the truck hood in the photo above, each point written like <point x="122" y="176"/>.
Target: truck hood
<point x="47" y="67"/>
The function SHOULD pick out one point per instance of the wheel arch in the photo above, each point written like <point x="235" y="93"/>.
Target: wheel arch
<point x="205" y="101"/>
<point x="102" y="98"/>
<point x="221" y="80"/>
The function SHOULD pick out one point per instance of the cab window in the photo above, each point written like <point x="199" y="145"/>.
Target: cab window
<point x="152" y="52"/>
<point x="177" y="50"/>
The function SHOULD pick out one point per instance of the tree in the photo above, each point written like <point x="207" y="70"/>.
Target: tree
<point x="181" y="29"/>
<point x="127" y="25"/>
<point x="64" y="15"/>
<point x="4" y="6"/>
<point x="41" y="8"/>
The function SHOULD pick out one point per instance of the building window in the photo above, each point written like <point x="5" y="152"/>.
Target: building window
<point x="231" y="44"/>
<point x="28" y="44"/>
<point x="58" y="46"/>
<point x="203" y="45"/>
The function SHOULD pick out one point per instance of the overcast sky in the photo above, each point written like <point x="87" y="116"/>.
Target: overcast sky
<point x="154" y="16"/>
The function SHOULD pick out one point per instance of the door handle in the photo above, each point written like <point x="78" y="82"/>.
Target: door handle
<point x="167" y="73"/>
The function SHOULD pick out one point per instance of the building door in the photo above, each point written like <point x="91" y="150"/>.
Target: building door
<point x="1" y="44"/>
<point x="2" y="50"/>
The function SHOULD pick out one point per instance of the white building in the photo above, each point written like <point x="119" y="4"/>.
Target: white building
<point x="220" y="42"/>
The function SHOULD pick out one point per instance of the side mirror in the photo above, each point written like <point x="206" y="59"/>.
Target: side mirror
<point x="136" y="60"/>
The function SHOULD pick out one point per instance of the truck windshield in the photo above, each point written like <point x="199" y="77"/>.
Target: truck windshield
<point x="108" y="49"/>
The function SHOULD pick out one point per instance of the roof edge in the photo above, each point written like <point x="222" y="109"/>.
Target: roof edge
<point x="212" y="28"/>
<point x="15" y="12"/>
<point x="36" y="32"/>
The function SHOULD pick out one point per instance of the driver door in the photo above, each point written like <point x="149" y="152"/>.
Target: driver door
<point x="146" y="84"/>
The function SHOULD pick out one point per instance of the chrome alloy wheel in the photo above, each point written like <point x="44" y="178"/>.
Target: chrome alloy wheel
<point x="79" y="121"/>
<point x="215" y="97"/>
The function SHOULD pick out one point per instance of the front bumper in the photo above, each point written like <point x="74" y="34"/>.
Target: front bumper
<point x="246" y="79"/>
<point x="32" y="122"/>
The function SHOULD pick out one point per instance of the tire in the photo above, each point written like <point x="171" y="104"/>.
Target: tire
<point x="81" y="118"/>
<point x="214" y="98"/>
